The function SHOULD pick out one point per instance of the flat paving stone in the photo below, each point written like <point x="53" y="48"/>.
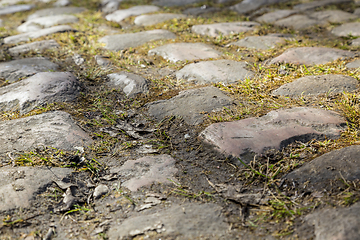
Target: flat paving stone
<point x="262" y="42"/>
<point x="337" y="164"/>
<point x="46" y="22"/>
<point x="333" y="16"/>
<point x="110" y="6"/>
<point x="316" y="4"/>
<point x="272" y="17"/>
<point x="190" y="104"/>
<point x="37" y="34"/>
<point x="186" y="221"/>
<point x="340" y="223"/>
<point x="38" y="90"/>
<point x="120" y="15"/>
<point x="315" y="85"/>
<point x="130" y="83"/>
<point x="34" y="46"/>
<point x="16" y="69"/>
<point x="15" y="9"/>
<point x="56" y="11"/>
<point x="62" y="3"/>
<point x="174" y="3"/>
<point x="357" y="11"/>
<point x="353" y="64"/>
<point x="298" y="22"/>
<point x="56" y="129"/>
<point x="20" y="185"/>
<point x="247" y="6"/>
<point x="122" y="41"/>
<point x="225" y="71"/>
<point x="355" y="42"/>
<point x="148" y="20"/>
<point x="347" y="29"/>
<point x="145" y="171"/>
<point x="311" y="55"/>
<point x="200" y="11"/>
<point x="225" y="29"/>
<point x="185" y="52"/>
<point x="274" y="130"/>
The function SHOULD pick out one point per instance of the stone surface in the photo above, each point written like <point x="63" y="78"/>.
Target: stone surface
<point x="274" y="130"/>
<point x="173" y="3"/>
<point x="311" y="55"/>
<point x="355" y="42"/>
<point x="16" y="69"/>
<point x="357" y="11"/>
<point x="110" y="6"/>
<point x="121" y="41"/>
<point x="225" y="29"/>
<point x="56" y="129"/>
<point x="337" y="224"/>
<point x="15" y="8"/>
<point x="36" y="24"/>
<point x="201" y="11"/>
<point x="187" y="221"/>
<point x="37" y="34"/>
<point x="347" y="29"/>
<point x="247" y="6"/>
<point x="120" y="15"/>
<point x="34" y="46"/>
<point x="315" y="85"/>
<point x="272" y="17"/>
<point x="56" y="11"/>
<point x="100" y="191"/>
<point x="145" y="171"/>
<point x="131" y="84"/>
<point x="190" y="104"/>
<point x="38" y="90"/>
<point x="185" y="52"/>
<point x="62" y="3"/>
<point x="333" y="16"/>
<point x="315" y="4"/>
<point x="148" y="20"/>
<point x="20" y="185"/>
<point x="335" y="165"/>
<point x="298" y="22"/>
<point x="225" y="71"/>
<point x="262" y="42"/>
<point x="353" y="64"/>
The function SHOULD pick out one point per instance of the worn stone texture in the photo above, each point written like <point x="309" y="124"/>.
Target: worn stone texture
<point x="337" y="224"/>
<point x="120" y="15"/>
<point x="190" y="104"/>
<point x="262" y="42"/>
<point x="347" y="29"/>
<point x="337" y="164"/>
<point x="311" y="55"/>
<point x="34" y="46"/>
<point x="201" y="11"/>
<point x="274" y="130"/>
<point x="130" y="83"/>
<point x="225" y="71"/>
<point x="186" y="221"/>
<point x="225" y="29"/>
<point x="36" y="24"/>
<point x="39" y="90"/>
<point x="185" y="52"/>
<point x="37" y="34"/>
<point x="355" y="42"/>
<point x="174" y="3"/>
<point x="148" y="20"/>
<point x="272" y="17"/>
<point x="121" y="41"/>
<point x="15" y="8"/>
<point x="353" y="64"/>
<point x="56" y="129"/>
<point x="56" y="11"/>
<point x="247" y="6"/>
<point x="20" y="185"/>
<point x="315" y="85"/>
<point x="14" y="70"/>
<point x="319" y="3"/>
<point x="298" y="22"/>
<point x="333" y="16"/>
<point x="147" y="170"/>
